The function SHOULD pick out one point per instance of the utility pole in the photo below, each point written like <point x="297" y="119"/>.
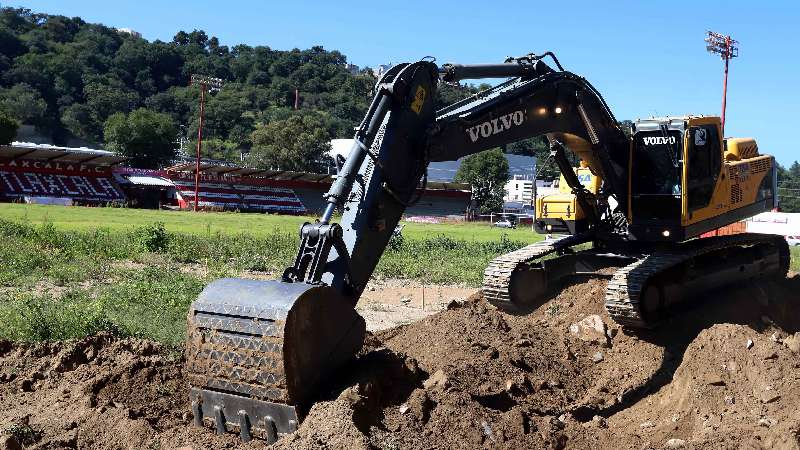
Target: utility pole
<point x="533" y="195"/>
<point x="727" y="49"/>
<point x="207" y="84"/>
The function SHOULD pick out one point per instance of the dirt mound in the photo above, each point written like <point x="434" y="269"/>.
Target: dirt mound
<point x="99" y="392"/>
<point x="489" y="379"/>
<point x="721" y="375"/>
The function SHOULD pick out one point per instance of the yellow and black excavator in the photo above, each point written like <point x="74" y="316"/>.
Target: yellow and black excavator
<point x="258" y="351"/>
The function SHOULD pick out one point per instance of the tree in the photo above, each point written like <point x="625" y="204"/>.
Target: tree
<point x="295" y="143"/>
<point x="487" y="173"/>
<point x="788" y="185"/>
<point x="78" y="119"/>
<point x="24" y="103"/>
<point x="8" y="128"/>
<point x="144" y="136"/>
<point x="105" y="100"/>
<point x="627" y="127"/>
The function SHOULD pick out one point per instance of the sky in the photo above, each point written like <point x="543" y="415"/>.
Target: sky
<point x="646" y="58"/>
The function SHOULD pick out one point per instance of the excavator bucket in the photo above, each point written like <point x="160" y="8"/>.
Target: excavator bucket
<point x="257" y="351"/>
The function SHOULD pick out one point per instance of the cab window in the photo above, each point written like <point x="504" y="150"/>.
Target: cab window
<point x="704" y="164"/>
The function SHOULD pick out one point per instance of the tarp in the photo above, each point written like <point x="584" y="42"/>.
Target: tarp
<point x="145" y="180"/>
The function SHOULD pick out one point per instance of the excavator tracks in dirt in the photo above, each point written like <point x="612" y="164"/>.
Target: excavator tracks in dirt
<point x="638" y="294"/>
<point x="497" y="275"/>
<point x="647" y="285"/>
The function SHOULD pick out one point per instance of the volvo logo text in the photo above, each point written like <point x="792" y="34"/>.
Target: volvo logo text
<point x="659" y="140"/>
<point x="498" y="125"/>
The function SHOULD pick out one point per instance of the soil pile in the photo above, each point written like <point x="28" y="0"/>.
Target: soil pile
<point x="724" y="374"/>
<point x="99" y="392"/>
<point x="719" y="375"/>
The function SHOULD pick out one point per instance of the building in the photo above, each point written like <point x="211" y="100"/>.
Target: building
<point x="41" y="173"/>
<point x="353" y="69"/>
<point x="381" y="69"/>
<point x="519" y="189"/>
<point x="129" y="31"/>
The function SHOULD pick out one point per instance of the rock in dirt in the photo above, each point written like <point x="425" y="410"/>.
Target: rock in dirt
<point x="437" y="380"/>
<point x="600" y="422"/>
<point x="590" y="329"/>
<point x="769" y="397"/>
<point x="793" y="342"/>
<point x="767" y="422"/>
<point x="454" y="304"/>
<point x="675" y="443"/>
<point x="523" y="343"/>
<point x="597" y="357"/>
<point x="420" y="405"/>
<point x="749" y="344"/>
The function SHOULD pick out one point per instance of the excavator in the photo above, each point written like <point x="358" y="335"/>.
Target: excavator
<point x="259" y="352"/>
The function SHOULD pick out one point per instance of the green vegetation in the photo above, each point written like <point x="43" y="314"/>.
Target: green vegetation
<point x="789" y="187"/>
<point x="225" y="223"/>
<point x="487" y="173"/>
<point x="69" y="272"/>
<point x="144" y="136"/>
<point x="8" y="128"/>
<point x="294" y="143"/>
<point x="68" y="77"/>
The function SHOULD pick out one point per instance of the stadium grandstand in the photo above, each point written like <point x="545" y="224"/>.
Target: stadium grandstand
<point x="41" y="173"/>
<point x="230" y="187"/>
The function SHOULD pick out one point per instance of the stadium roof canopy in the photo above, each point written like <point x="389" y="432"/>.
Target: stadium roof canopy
<point x="221" y="169"/>
<point x="52" y="153"/>
<point x="236" y="171"/>
<point x="148" y="180"/>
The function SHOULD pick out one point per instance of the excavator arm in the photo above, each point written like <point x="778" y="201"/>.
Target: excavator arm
<point x="401" y="134"/>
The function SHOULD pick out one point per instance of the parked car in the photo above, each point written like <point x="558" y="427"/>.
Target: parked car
<point x="505" y="223"/>
<point x="793" y="240"/>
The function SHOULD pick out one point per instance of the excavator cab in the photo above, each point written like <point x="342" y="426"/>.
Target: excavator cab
<point x="684" y="181"/>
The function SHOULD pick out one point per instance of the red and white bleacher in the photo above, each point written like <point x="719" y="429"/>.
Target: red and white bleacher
<point x="45" y="174"/>
<point x="238" y="194"/>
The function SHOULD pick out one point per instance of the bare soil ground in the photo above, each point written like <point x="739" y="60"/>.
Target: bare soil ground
<point x="391" y="303"/>
<point x="725" y="374"/>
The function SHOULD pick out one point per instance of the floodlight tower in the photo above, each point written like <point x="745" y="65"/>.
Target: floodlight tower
<point x="207" y="84"/>
<point x="727" y="49"/>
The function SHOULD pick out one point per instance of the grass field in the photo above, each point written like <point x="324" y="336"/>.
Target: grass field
<point x="67" y="272"/>
<point x="227" y="223"/>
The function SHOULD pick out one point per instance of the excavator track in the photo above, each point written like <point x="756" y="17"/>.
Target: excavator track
<point x="626" y="300"/>
<point x="497" y="275"/>
<point x="503" y="274"/>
